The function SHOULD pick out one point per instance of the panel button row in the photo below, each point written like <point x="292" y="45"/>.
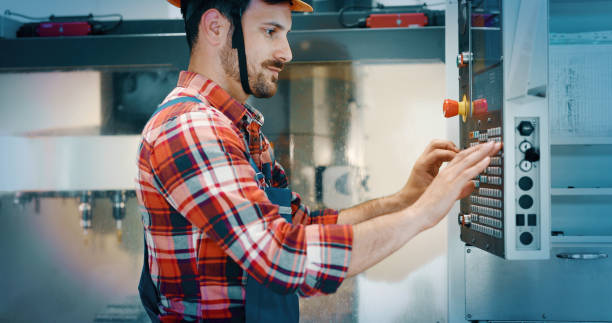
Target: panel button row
<point x="488" y="221"/>
<point x="495" y="139"/>
<point x="487" y="230"/>
<point x="493" y="180"/>
<point x="486" y="211"/>
<point x="483" y="137"/>
<point x="493" y="170"/>
<point x="473" y="134"/>
<point x="491" y="192"/>
<point x="494" y="132"/>
<point x="496" y="161"/>
<point x="473" y="144"/>
<point x="486" y="201"/>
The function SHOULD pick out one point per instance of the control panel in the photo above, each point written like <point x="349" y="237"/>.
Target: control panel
<point x="527" y="184"/>
<point x="507" y="214"/>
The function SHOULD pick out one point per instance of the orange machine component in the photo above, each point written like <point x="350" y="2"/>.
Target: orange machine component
<point x="389" y="20"/>
<point x="451" y="108"/>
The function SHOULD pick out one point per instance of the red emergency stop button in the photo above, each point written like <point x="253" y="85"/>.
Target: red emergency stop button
<point x="450" y="108"/>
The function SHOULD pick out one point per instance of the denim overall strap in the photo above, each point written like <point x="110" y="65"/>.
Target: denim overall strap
<point x="147" y="290"/>
<point x="262" y="304"/>
<point x="176" y="101"/>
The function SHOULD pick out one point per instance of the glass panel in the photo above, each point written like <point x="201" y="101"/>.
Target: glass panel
<point x="580" y="64"/>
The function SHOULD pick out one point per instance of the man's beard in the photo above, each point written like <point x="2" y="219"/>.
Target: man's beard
<point x="260" y="86"/>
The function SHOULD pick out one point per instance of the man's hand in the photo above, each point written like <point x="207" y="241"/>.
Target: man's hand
<point x="378" y="237"/>
<point x="426" y="169"/>
<point x="454" y="182"/>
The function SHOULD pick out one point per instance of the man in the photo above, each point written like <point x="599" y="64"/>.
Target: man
<point x="225" y="240"/>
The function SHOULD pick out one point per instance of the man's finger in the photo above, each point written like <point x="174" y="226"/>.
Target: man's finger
<point x="475" y="169"/>
<point x="467" y="189"/>
<point x="439" y="156"/>
<point x="467" y="152"/>
<point x="441" y="144"/>
<point x="476" y="156"/>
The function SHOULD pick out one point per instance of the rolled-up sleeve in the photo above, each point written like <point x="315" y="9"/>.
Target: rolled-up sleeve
<point x="302" y="214"/>
<point x="201" y="169"/>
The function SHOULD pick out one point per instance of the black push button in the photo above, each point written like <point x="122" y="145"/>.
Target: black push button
<point x="525" y="201"/>
<point x="531" y="220"/>
<point x="520" y="220"/>
<point x="525" y="183"/>
<point x="526" y="238"/>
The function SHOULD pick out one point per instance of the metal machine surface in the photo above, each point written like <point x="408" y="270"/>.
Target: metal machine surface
<point x="556" y="53"/>
<point x="508" y="213"/>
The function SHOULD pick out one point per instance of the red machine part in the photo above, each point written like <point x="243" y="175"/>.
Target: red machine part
<point x="451" y="108"/>
<point x="396" y="20"/>
<point x="55" y="29"/>
<point x="479" y="107"/>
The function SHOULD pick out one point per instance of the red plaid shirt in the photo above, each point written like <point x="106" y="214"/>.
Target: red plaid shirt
<point x="208" y="223"/>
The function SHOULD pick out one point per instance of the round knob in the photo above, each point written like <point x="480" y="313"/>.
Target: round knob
<point x="460" y="61"/>
<point x="464" y="59"/>
<point x="526" y="238"/>
<point x="525" y="201"/>
<point x="525" y="128"/>
<point x="450" y="108"/>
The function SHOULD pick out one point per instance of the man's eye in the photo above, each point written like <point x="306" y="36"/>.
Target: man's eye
<point x="269" y="31"/>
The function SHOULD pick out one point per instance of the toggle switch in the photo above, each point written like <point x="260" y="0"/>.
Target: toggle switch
<point x="532" y="155"/>
<point x="452" y="108"/>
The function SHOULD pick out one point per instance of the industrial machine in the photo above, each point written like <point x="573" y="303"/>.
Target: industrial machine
<point x="509" y="213"/>
<point x="534" y="74"/>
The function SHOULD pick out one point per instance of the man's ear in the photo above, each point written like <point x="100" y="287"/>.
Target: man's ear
<point x="213" y="28"/>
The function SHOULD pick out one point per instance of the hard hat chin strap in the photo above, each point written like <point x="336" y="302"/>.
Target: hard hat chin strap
<point x="238" y="44"/>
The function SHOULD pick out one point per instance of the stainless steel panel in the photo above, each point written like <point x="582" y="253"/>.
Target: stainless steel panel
<point x="554" y="289"/>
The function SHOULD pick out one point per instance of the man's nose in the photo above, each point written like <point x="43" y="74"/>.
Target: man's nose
<point x="283" y="53"/>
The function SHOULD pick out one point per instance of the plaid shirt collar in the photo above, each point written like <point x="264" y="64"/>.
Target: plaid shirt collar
<point x="220" y="99"/>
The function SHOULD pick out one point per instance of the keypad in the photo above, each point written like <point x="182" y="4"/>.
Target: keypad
<point x="487" y="230"/>
<point x="486" y="202"/>
<point x="479" y="209"/>
<point x="493" y="170"/>
<point x="491" y="192"/>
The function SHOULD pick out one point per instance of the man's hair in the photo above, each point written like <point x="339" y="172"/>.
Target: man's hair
<point x="192" y="11"/>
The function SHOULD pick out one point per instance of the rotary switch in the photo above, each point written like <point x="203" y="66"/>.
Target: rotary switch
<point x="464" y="59"/>
<point x="525" y="128"/>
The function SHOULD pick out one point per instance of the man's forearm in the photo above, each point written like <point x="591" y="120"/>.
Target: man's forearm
<point x="377" y="238"/>
<point x="377" y="207"/>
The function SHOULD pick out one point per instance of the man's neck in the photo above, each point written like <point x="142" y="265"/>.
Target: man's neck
<point x="215" y="73"/>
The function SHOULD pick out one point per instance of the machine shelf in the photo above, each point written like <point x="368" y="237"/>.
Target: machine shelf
<point x="603" y="191"/>
<point x="568" y="141"/>
<point x="168" y="48"/>
<point x="581" y="239"/>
